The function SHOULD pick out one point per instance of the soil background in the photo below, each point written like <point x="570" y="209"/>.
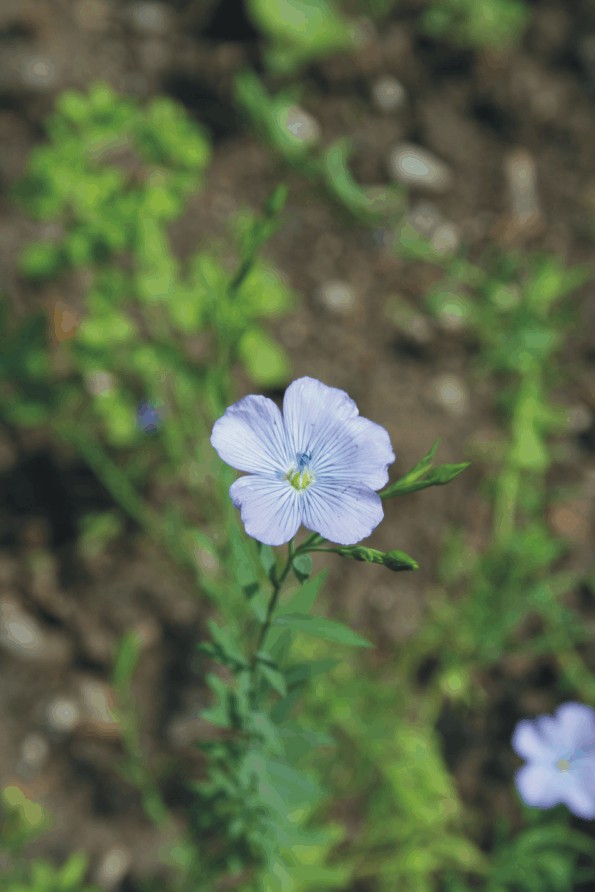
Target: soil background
<point x="472" y="110"/>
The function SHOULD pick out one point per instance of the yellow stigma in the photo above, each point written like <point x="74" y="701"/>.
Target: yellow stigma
<point x="563" y="765"/>
<point x="301" y="477"/>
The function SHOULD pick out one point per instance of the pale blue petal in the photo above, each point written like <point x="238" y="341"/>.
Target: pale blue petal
<point x="356" y="451"/>
<point x="342" y="514"/>
<point x="539" y="786"/>
<point x="549" y="730"/>
<point x="251" y="437"/>
<point x="310" y="409"/>
<point x="576" y="726"/>
<point x="579" y="791"/>
<point x="270" y="509"/>
<point x="530" y="745"/>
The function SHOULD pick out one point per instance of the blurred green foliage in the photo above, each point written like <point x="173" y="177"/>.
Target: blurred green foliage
<point x="111" y="178"/>
<point x="300" y="31"/>
<point x="21" y="821"/>
<point x="489" y="24"/>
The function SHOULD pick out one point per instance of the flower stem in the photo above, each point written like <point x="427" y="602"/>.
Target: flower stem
<point x="306" y="546"/>
<point x="277" y="582"/>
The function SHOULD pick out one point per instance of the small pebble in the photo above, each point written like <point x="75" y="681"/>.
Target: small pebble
<point x="62" y="715"/>
<point x="34" y="752"/>
<point x="97" y="705"/>
<point x="113" y="867"/>
<point x="572" y="520"/>
<point x="93" y="15"/>
<point x="21" y="635"/>
<point x="99" y="382"/>
<point x="446" y="239"/>
<point x="424" y="217"/>
<point x="39" y="72"/>
<point x="451" y="394"/>
<point x="302" y="125"/>
<point x="388" y="94"/>
<point x="521" y="178"/>
<point x="579" y="418"/>
<point x="149" y="18"/>
<point x="337" y="297"/>
<point x="418" y="168"/>
<point x="429" y="223"/>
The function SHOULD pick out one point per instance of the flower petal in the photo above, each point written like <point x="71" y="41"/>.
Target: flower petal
<point x="342" y="514"/>
<point x="310" y="409"/>
<point x="579" y="790"/>
<point x="530" y="745"/>
<point x="251" y="437"/>
<point x="539" y="786"/>
<point x="359" y="453"/>
<point x="577" y="726"/>
<point x="271" y="509"/>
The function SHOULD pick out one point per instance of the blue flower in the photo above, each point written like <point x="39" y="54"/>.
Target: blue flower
<point x="560" y="752"/>
<point x="317" y="464"/>
<point x="148" y="417"/>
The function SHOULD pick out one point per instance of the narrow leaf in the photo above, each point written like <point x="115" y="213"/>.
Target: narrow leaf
<point x="275" y="678"/>
<point x="304" y="599"/>
<point x="300" y="672"/>
<point x="126" y="659"/>
<point x="320" y="627"/>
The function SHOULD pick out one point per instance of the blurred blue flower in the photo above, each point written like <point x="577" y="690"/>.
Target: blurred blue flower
<point x="148" y="417"/>
<point x="317" y="464"/>
<point x="560" y="752"/>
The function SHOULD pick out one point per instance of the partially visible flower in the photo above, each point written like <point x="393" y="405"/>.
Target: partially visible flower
<point x="317" y="464"/>
<point x="560" y="752"/>
<point x="148" y="417"/>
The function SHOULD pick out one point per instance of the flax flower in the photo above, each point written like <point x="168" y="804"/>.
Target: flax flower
<point x="560" y="755"/>
<point x="318" y="464"/>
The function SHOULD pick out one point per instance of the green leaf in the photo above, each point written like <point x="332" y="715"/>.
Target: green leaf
<point x="368" y="207"/>
<point x="268" y="559"/>
<point x="302" y="566"/>
<point x="41" y="260"/>
<point x="126" y="659"/>
<point x="320" y="627"/>
<point x="299" y="30"/>
<point x="264" y="360"/>
<point x="275" y="678"/>
<point x="229" y="647"/>
<point x="301" y="672"/>
<point x="305" y="597"/>
<point x="73" y="871"/>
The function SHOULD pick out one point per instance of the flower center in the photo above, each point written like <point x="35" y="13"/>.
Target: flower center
<point x="302" y="476"/>
<point x="563" y="765"/>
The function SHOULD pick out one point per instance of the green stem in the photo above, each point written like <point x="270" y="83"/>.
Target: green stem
<point x="306" y="546"/>
<point x="277" y="585"/>
<point x="505" y="502"/>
